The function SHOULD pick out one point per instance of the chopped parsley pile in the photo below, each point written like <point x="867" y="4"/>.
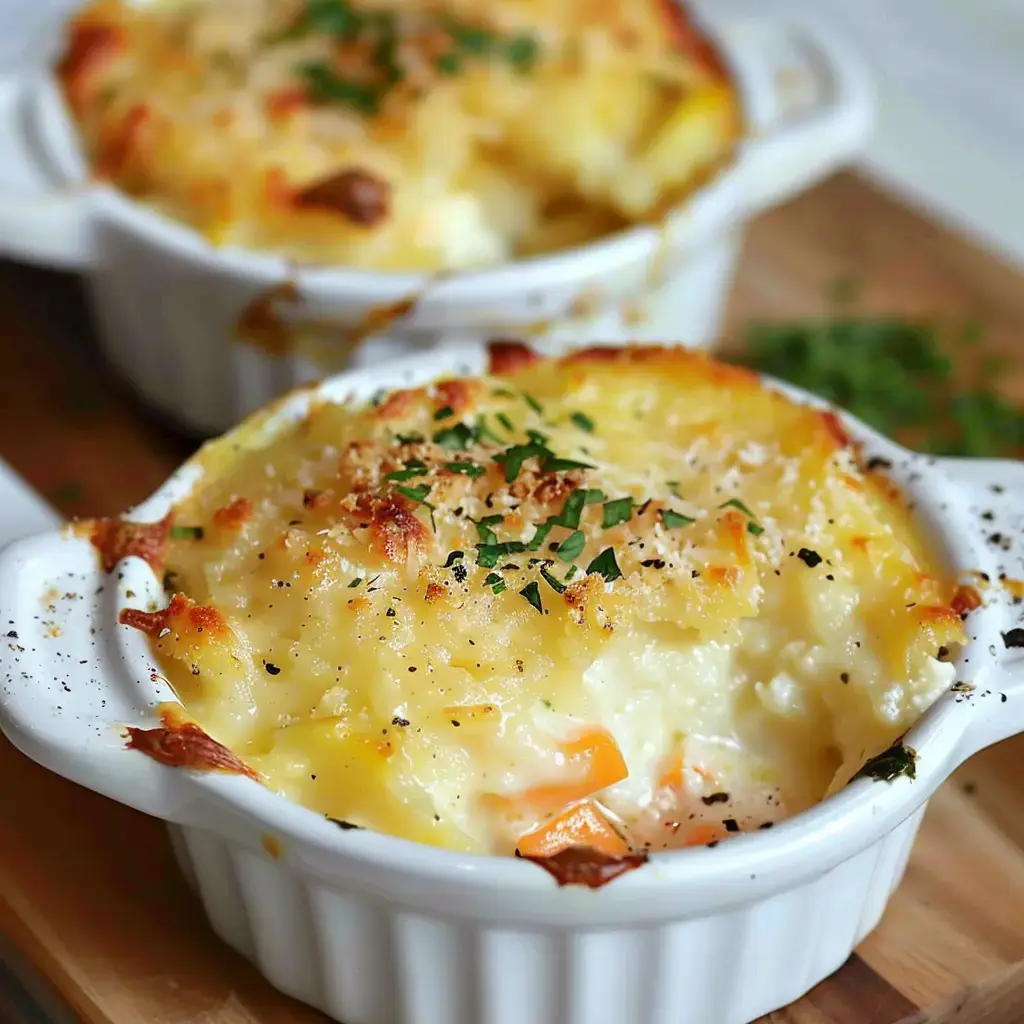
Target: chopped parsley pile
<point x="449" y="45"/>
<point x="894" y="374"/>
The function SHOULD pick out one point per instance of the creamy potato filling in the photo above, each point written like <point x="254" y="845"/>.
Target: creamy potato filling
<point x="627" y="600"/>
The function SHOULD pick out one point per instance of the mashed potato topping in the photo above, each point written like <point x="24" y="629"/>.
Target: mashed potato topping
<point x="400" y="134"/>
<point x="627" y="599"/>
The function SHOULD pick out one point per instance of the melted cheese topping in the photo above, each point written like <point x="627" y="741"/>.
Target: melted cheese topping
<point x="624" y="598"/>
<point x="410" y="134"/>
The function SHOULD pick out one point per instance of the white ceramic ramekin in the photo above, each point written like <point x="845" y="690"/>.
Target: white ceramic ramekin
<point x="168" y="306"/>
<point x="378" y="930"/>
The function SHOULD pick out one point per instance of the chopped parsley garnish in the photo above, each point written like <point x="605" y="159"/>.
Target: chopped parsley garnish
<point x="556" y="585"/>
<point x="487" y="555"/>
<point x="324" y="86"/>
<point x="457" y="438"/>
<point x="532" y="594"/>
<point x="594" y="496"/>
<point x="355" y="582"/>
<point x="522" y="52"/>
<point x="505" y="422"/>
<point x="752" y="526"/>
<point x="483" y="432"/>
<point x="453" y="557"/>
<point x="444" y="412"/>
<point x="484" y="531"/>
<point x="513" y="458"/>
<point x="473" y="40"/>
<point x="606" y="566"/>
<point x="615" y="512"/>
<point x="412" y="438"/>
<point x="554" y="464"/>
<point x="673" y="520"/>
<point x="418" y="493"/>
<point x="533" y="403"/>
<point x="537" y="437"/>
<point x="499" y="587"/>
<point x="491" y="578"/>
<point x="540" y="535"/>
<point x="413" y="468"/>
<point x="571" y="547"/>
<point x="583" y="421"/>
<point x="573" y="569"/>
<point x="193" y="532"/>
<point x="449" y="64"/>
<point x="470" y="469"/>
<point x="571" y="510"/>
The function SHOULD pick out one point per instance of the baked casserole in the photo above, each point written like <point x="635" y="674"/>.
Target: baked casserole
<point x="628" y="599"/>
<point x="401" y="135"/>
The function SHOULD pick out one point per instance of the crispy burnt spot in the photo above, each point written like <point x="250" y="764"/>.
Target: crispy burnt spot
<point x="234" y="515"/>
<point x="395" y="531"/>
<point x="833" y="425"/>
<point x="182" y="744"/>
<point x="688" y="41"/>
<point x="260" y="323"/>
<point x="505" y="356"/>
<point x="582" y="865"/>
<point x="90" y="47"/>
<point x="399" y="403"/>
<point x="180" y="612"/>
<point x="454" y="395"/>
<point x="965" y="600"/>
<point x="117" y="539"/>
<point x="361" y="197"/>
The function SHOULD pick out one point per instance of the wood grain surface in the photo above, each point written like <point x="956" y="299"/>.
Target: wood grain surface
<point x="89" y="890"/>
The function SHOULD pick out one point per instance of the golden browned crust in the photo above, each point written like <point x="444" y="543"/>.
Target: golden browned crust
<point x="581" y="865"/>
<point x="116" y="539"/>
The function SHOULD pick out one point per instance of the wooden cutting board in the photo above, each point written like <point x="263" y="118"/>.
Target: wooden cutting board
<point x="89" y="891"/>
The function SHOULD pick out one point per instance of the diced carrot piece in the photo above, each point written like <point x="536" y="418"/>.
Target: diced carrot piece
<point x="593" y="760"/>
<point x="581" y="825"/>
<point x="674" y="774"/>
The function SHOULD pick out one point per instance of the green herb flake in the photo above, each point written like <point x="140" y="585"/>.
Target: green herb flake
<point x="606" y="566"/>
<point x="471" y="39"/>
<point x="444" y="412"/>
<point x="470" y="469"/>
<point x="512" y="459"/>
<point x="554" y="464"/>
<point x="556" y="585"/>
<point x="594" y="496"/>
<point x="449" y="64"/>
<point x="491" y="578"/>
<point x="505" y="422"/>
<point x="522" y="52"/>
<point x="583" y="421"/>
<point x="413" y="468"/>
<point x="482" y="432"/>
<point x="484" y="531"/>
<point x="569" y="517"/>
<point x="752" y="526"/>
<point x="355" y="583"/>
<point x="499" y="587"/>
<point x="571" y="547"/>
<point x="540" y="535"/>
<point x="673" y="520"/>
<point x="413" y="438"/>
<point x="573" y="569"/>
<point x="487" y="555"/>
<point x="324" y="86"/>
<point x="532" y="594"/>
<point x="456" y="439"/>
<point x="616" y="512"/>
<point x="418" y="493"/>
<point x="888" y="766"/>
<point x="190" y="532"/>
<point x="533" y="404"/>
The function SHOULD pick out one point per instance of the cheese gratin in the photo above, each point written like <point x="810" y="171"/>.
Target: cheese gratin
<point x="626" y="599"/>
<point x="400" y="134"/>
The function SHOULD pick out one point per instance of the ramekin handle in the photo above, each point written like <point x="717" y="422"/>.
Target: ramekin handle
<point x="41" y="221"/>
<point x="810" y="104"/>
<point x="65" y="698"/>
<point x="994" y="490"/>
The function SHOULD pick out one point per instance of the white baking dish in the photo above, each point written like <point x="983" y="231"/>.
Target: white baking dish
<point x="378" y="930"/>
<point x="167" y="305"/>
